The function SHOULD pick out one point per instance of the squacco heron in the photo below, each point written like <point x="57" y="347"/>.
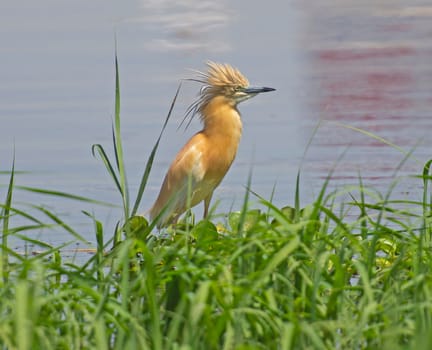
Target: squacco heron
<point x="204" y="160"/>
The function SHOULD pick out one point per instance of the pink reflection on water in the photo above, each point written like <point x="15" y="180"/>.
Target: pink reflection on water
<point x="376" y="96"/>
<point x="396" y="27"/>
<point x="333" y="55"/>
<point x="366" y="93"/>
<point x="376" y="81"/>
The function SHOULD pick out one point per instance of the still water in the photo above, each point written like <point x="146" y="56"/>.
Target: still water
<point x="362" y="64"/>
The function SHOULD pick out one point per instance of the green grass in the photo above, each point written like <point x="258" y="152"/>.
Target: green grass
<point x="328" y="276"/>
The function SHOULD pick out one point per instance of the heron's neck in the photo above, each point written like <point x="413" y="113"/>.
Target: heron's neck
<point x="222" y="120"/>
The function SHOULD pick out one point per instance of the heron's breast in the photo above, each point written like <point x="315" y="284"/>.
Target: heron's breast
<point x="219" y="158"/>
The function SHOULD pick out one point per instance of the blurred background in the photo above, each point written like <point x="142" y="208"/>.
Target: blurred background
<point x="363" y="64"/>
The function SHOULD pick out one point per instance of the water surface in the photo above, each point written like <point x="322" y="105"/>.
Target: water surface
<point x="365" y="64"/>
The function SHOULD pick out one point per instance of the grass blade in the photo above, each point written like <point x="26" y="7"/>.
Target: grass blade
<point x="62" y="194"/>
<point x="4" y="261"/>
<point x="61" y="223"/>
<point x="118" y="148"/>
<point x="100" y="150"/>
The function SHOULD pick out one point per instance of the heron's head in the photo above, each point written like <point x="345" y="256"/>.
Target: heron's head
<point x="222" y="80"/>
<point x="225" y="80"/>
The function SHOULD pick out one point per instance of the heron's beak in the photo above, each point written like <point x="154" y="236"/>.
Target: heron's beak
<point x="257" y="90"/>
<point x="249" y="92"/>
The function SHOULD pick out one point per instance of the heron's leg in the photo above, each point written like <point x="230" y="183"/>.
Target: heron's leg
<point x="207" y="204"/>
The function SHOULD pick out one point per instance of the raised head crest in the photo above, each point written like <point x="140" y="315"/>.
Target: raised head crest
<point x="221" y="80"/>
<point x="223" y="75"/>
